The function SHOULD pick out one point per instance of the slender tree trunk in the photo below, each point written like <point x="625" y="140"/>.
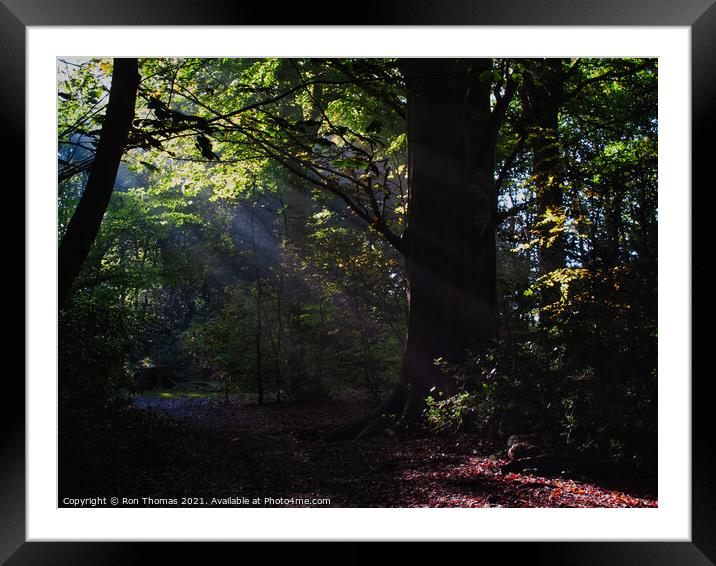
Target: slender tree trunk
<point x="279" y="334"/>
<point x="84" y="225"/>
<point x="259" y="374"/>
<point x="613" y="222"/>
<point x="295" y="208"/>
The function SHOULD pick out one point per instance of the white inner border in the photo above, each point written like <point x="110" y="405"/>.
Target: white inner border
<point x="671" y="521"/>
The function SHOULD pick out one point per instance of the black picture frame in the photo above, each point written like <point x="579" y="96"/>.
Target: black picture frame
<point x="16" y="15"/>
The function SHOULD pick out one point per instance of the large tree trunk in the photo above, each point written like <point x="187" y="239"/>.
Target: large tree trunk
<point x="84" y="225"/>
<point x="451" y="221"/>
<point x="451" y="255"/>
<point x="544" y="95"/>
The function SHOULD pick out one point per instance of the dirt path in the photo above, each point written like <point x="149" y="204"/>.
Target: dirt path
<point x="241" y="450"/>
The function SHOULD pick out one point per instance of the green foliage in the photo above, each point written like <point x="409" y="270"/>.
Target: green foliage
<point x="583" y="375"/>
<point x="95" y="340"/>
<point x="449" y="414"/>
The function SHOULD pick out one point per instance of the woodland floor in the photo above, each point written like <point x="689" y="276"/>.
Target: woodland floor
<point x="207" y="449"/>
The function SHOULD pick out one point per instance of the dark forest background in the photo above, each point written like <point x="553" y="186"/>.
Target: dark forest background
<point x="468" y="245"/>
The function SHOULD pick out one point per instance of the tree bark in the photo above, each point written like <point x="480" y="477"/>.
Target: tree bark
<point x="84" y="225"/>
<point x="452" y="211"/>
<point x="451" y="221"/>
<point x="257" y="335"/>
<point x="544" y="94"/>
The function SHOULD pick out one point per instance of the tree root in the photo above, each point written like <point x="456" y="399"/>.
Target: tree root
<point x="364" y="427"/>
<point x="401" y="407"/>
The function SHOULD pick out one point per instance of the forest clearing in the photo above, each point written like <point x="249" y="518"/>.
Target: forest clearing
<point x="239" y="452"/>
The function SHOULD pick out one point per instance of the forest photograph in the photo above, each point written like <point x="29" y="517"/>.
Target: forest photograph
<point x="324" y="282"/>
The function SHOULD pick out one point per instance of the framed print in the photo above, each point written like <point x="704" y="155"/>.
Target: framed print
<point x="423" y="275"/>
